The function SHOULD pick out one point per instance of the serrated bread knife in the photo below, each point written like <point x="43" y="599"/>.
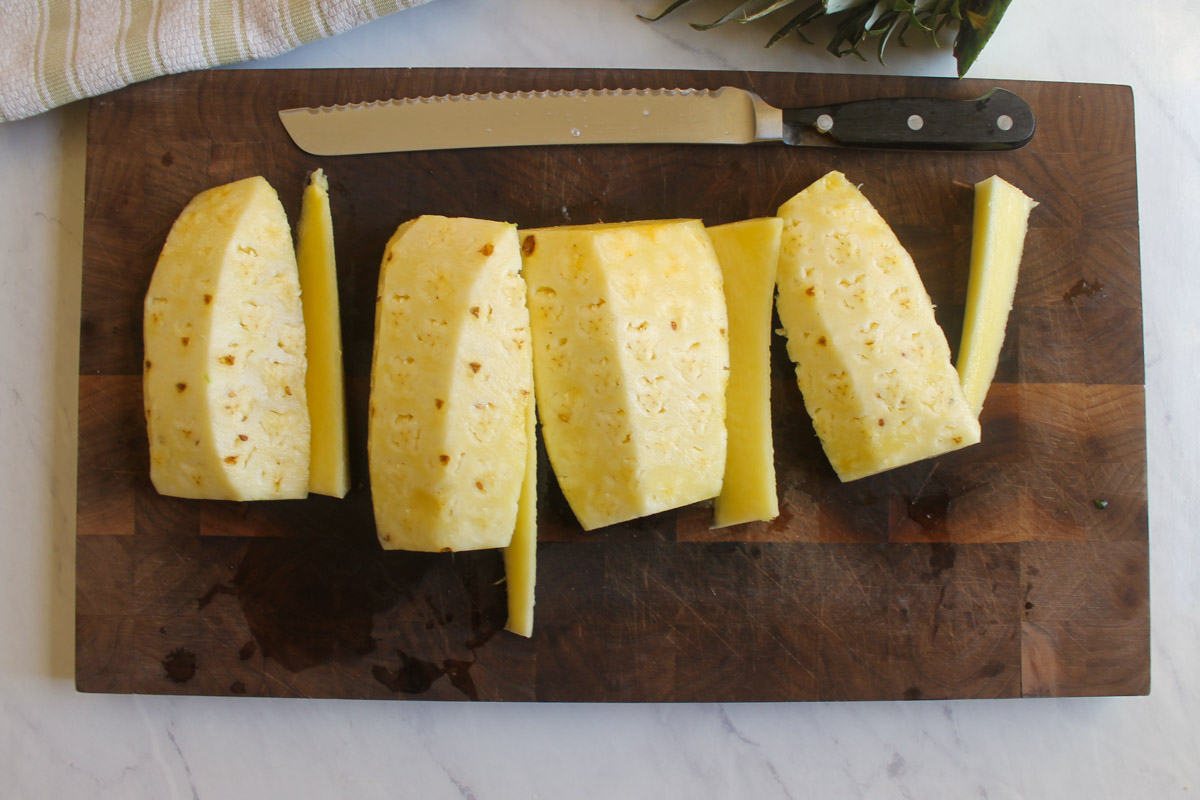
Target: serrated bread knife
<point x="999" y="120"/>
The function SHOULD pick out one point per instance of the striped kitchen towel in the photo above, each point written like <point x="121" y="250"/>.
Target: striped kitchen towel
<point x="56" y="51"/>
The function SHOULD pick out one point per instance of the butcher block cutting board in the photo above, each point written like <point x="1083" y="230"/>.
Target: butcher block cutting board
<point x="991" y="572"/>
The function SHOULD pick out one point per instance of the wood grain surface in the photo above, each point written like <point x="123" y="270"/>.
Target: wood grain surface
<point x="990" y="572"/>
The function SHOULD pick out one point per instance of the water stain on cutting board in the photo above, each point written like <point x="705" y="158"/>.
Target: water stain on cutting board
<point x="309" y="603"/>
<point x="180" y="665"/>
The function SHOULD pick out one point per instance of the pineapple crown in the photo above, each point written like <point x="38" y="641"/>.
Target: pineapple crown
<point x="857" y="22"/>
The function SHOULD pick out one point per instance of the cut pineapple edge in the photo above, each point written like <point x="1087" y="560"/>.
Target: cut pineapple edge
<point x="631" y="362"/>
<point x="329" y="469"/>
<point x="223" y="378"/>
<point x="748" y="252"/>
<point x="520" y="557"/>
<point x="639" y="333"/>
<point x="451" y="378"/>
<point x="997" y="243"/>
<point x="871" y="361"/>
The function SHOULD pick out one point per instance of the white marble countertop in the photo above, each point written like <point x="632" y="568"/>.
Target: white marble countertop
<point x="57" y="743"/>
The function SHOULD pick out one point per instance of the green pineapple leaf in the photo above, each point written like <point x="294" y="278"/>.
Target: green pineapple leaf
<point x="748" y="11"/>
<point x="857" y="21"/>
<point x="838" y="6"/>
<point x="794" y="25"/>
<point x="664" y="12"/>
<point x="979" y="23"/>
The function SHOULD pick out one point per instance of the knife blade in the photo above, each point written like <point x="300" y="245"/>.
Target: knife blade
<point x="999" y="120"/>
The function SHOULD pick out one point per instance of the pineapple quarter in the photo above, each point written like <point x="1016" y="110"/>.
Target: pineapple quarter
<point x="871" y="361"/>
<point x="631" y="360"/>
<point x="451" y="377"/>
<point x="748" y="252"/>
<point x="224" y="372"/>
<point x="520" y="557"/>
<point x="997" y="242"/>
<point x="329" y="469"/>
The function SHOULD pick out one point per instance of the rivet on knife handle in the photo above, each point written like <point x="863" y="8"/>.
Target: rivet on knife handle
<point x="999" y="120"/>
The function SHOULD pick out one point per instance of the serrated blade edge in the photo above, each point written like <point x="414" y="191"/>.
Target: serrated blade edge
<point x="561" y="117"/>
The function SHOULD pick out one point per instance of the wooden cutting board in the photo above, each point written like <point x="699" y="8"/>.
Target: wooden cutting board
<point x="991" y="572"/>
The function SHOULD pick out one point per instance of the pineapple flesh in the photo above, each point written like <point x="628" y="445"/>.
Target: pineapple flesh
<point x="1001" y="218"/>
<point x="520" y="557"/>
<point x="631" y="360"/>
<point x="871" y="361"/>
<point x="329" y="469"/>
<point x="451" y="379"/>
<point x="224" y="371"/>
<point x="749" y="255"/>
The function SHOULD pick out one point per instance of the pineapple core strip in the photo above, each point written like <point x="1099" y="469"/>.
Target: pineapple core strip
<point x="451" y="379"/>
<point x="749" y="255"/>
<point x="520" y="557"/>
<point x="631" y="359"/>
<point x="1001" y="220"/>
<point x="872" y="362"/>
<point x="223" y="381"/>
<point x="329" y="469"/>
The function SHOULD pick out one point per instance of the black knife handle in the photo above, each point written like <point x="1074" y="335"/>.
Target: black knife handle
<point x="1000" y="120"/>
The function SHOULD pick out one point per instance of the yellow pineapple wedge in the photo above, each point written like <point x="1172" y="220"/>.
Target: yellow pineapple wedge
<point x="631" y="360"/>
<point x="224" y="340"/>
<point x="329" y="469"/>
<point x="1001" y="219"/>
<point x="520" y="557"/>
<point x="451" y="379"/>
<point x="749" y="255"/>
<point x="872" y="362"/>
